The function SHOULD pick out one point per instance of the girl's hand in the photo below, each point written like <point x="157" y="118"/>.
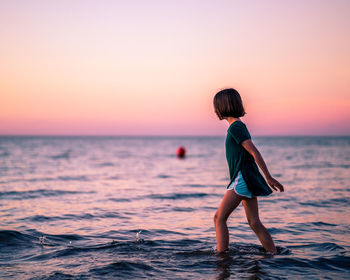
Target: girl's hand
<point x="275" y="184"/>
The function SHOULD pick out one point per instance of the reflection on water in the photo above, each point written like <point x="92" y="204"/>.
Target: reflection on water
<point x="223" y="266"/>
<point x="126" y="207"/>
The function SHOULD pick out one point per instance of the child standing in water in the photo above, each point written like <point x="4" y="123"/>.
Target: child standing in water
<point x="246" y="181"/>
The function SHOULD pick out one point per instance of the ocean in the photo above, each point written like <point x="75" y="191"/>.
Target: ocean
<point x="128" y="208"/>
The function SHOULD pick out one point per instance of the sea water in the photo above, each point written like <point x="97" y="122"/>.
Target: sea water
<point x="126" y="207"/>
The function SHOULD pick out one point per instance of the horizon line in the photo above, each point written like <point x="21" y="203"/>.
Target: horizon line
<point x="169" y="135"/>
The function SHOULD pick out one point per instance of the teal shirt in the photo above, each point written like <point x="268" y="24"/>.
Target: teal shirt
<point x="239" y="159"/>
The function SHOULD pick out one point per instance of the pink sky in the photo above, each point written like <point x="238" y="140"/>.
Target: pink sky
<point x="153" y="67"/>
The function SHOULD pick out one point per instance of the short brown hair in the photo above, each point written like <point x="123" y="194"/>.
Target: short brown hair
<point x="228" y="103"/>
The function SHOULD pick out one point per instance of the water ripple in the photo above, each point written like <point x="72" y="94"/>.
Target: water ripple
<point x="31" y="194"/>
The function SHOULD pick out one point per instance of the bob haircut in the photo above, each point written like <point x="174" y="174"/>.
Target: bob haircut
<point x="228" y="103"/>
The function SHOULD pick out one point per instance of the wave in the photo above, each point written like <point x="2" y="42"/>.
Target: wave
<point x="87" y="216"/>
<point x="105" y="164"/>
<point x="127" y="257"/>
<point x="175" y="196"/>
<point x="320" y="165"/>
<point x="123" y="267"/>
<point x="323" y="247"/>
<point x="184" y="246"/>
<point x="14" y="238"/>
<point x="57" y="275"/>
<point x="64" y="155"/>
<point x="19" y="195"/>
<point x="82" y="178"/>
<point x="334" y="263"/>
<point x="112" y="178"/>
<point x="4" y="154"/>
<point x="42" y="218"/>
<point x="73" y="178"/>
<point x="120" y="199"/>
<point x="163" y="176"/>
<point x="331" y="202"/>
<point x="183" y="209"/>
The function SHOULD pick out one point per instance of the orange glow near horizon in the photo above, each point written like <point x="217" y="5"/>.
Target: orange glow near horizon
<point x="109" y="68"/>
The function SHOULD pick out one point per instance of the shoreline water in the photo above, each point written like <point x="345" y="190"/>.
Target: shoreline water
<point x="88" y="197"/>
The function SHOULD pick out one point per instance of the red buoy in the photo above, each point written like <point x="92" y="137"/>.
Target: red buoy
<point x="181" y="152"/>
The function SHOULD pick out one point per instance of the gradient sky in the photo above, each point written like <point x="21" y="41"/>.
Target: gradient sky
<point x="153" y="67"/>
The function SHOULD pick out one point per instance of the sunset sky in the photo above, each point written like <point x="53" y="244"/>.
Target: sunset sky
<point x="153" y="67"/>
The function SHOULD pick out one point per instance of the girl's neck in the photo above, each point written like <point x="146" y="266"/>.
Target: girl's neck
<point x="231" y="120"/>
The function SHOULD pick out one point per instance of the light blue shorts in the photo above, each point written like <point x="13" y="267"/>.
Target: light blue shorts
<point x="240" y="187"/>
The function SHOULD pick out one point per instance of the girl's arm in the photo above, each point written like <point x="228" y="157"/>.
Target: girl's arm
<point x="250" y="147"/>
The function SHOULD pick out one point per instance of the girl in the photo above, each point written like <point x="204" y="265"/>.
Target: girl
<point x="246" y="181"/>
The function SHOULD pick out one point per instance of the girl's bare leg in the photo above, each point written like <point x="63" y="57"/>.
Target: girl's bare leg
<point x="229" y="203"/>
<point x="252" y="213"/>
